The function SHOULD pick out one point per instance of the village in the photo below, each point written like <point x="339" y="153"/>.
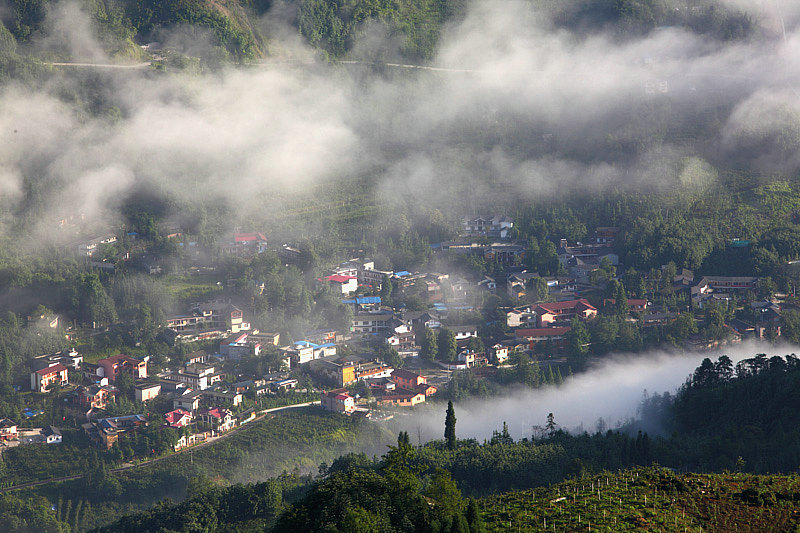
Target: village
<point x="390" y="358"/>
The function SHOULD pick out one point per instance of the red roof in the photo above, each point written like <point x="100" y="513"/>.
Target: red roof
<point x="216" y="412"/>
<point x="249" y="237"/>
<point x="542" y="332"/>
<point x="120" y="358"/>
<point x="51" y="370"/>
<point x="338" y="278"/>
<point x="342" y="396"/>
<point x="405" y="374"/>
<point x="173" y="417"/>
<point x="554" y="307"/>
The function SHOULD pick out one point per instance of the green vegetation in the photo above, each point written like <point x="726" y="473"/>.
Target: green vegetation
<point x="650" y="499"/>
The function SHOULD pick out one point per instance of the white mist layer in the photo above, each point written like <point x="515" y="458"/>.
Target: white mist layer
<point x="612" y="390"/>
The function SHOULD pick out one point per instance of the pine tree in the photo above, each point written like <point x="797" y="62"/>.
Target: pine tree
<point x="447" y="347"/>
<point x="428" y="345"/>
<point x="450" y="426"/>
<point x="551" y="425"/>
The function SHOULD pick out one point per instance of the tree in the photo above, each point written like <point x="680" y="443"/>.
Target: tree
<point x="551" y="425"/>
<point x="389" y="355"/>
<point x="450" y="426"/>
<point x="386" y="289"/>
<point x="446" y="345"/>
<point x="577" y="343"/>
<point x="621" y="300"/>
<point x="428" y="345"/>
<point x="537" y="289"/>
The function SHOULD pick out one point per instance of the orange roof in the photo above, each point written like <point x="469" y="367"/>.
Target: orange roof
<point x="542" y="332"/>
<point x="555" y="307"/>
<point x="51" y="370"/>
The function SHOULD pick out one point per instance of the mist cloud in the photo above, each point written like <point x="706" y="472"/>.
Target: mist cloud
<point x="526" y="110"/>
<point x="612" y="391"/>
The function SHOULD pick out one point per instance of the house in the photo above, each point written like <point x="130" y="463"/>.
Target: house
<point x="721" y="285"/>
<point x="500" y="353"/>
<point x="209" y="317"/>
<point x="520" y="317"/>
<point x="220" y="419"/>
<point x="196" y="376"/>
<point x="371" y="322"/>
<point x="402" y="398"/>
<point x="96" y="396"/>
<point x="364" y="271"/>
<point x="407" y="379"/>
<point x="516" y="283"/>
<point x="341" y="284"/>
<point x="554" y="335"/>
<point x="467" y="357"/>
<point x="109" y="429"/>
<point x="337" y="401"/>
<point x="411" y="381"/>
<point x="422" y="319"/>
<point x="401" y="336"/>
<point x="178" y="418"/>
<point x="606" y="235"/>
<point x="506" y="254"/>
<point x="8" y="430"/>
<point x="464" y="332"/>
<point x="52" y="435"/>
<point x="489" y="284"/>
<point x="147" y="391"/>
<point x="188" y="400"/>
<point x="495" y="226"/>
<point x="635" y="305"/>
<point x="250" y="241"/>
<point x="44" y="378"/>
<point x="117" y="364"/>
<point x="549" y="313"/>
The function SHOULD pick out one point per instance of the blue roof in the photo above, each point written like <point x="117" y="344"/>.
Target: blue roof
<point x="402" y="273"/>
<point x="326" y="345"/>
<point x="306" y="344"/>
<point x="363" y="300"/>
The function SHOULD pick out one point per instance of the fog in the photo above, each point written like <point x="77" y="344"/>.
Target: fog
<point x="521" y="109"/>
<point x="612" y="391"/>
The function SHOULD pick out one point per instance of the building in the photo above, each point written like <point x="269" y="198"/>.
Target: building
<point x="44" y="378"/>
<point x="220" y="419"/>
<point x="147" y="391"/>
<point x="118" y="364"/>
<point x="96" y="396"/>
<point x="8" y="430"/>
<point x="402" y="398"/>
<point x="211" y="316"/>
<point x="407" y="379"/>
<point x="559" y="312"/>
<point x="495" y="226"/>
<point x="556" y="336"/>
<point x="52" y="435"/>
<point x="256" y="242"/>
<point x="337" y="401"/>
<point x="178" y="418"/>
<point x="500" y="353"/>
<point x="371" y="322"/>
<point x="344" y="285"/>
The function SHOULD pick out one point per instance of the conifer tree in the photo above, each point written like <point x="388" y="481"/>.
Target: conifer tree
<point x="450" y="426"/>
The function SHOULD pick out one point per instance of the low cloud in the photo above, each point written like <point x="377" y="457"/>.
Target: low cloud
<point x="611" y="391"/>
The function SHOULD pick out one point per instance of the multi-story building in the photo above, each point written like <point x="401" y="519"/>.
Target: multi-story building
<point x="43" y="378"/>
<point x="118" y="364"/>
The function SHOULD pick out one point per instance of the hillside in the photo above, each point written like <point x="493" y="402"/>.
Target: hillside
<point x="651" y="499"/>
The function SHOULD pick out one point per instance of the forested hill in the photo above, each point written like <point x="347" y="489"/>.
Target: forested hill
<point x="235" y="30"/>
